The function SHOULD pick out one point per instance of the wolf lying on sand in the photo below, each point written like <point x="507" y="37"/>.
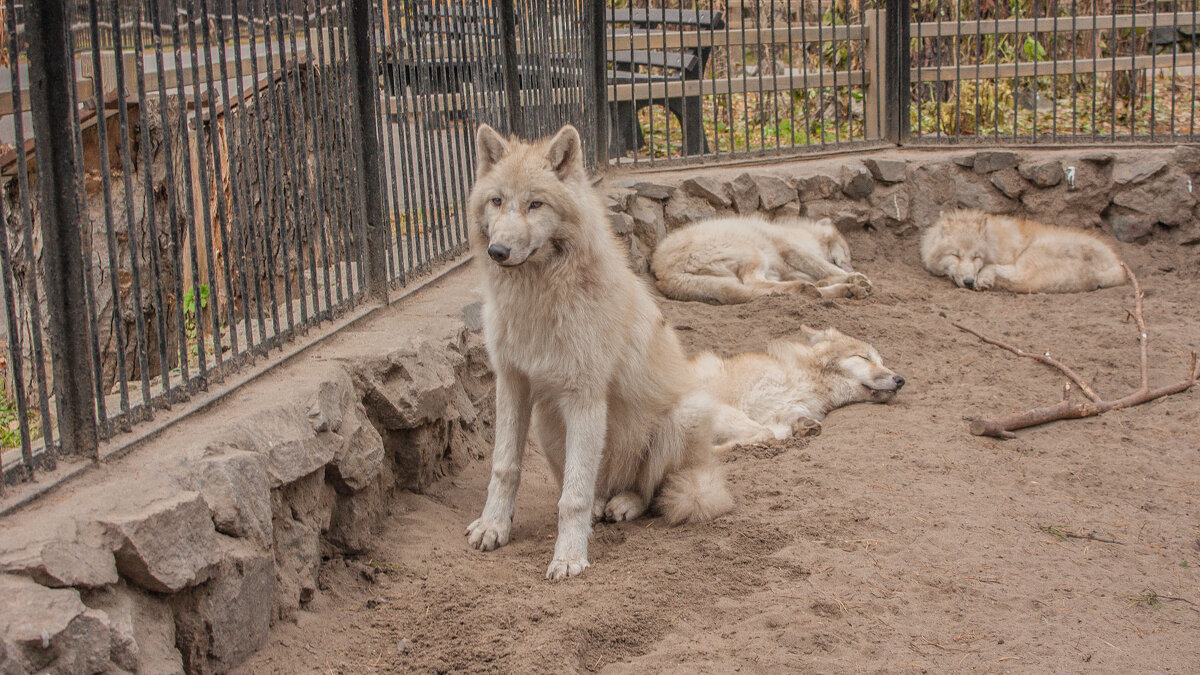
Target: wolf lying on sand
<point x="734" y="260"/>
<point x="581" y="350"/>
<point x="983" y="251"/>
<point x="763" y="397"/>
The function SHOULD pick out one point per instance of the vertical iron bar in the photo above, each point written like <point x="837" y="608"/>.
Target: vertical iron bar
<point x="897" y="71"/>
<point x="16" y="358"/>
<point x="318" y="152"/>
<point x="512" y="79"/>
<point x="301" y="126"/>
<point x="365" y="83"/>
<point x="61" y="236"/>
<point x="598" y="68"/>
<point x="330" y="90"/>
<point x="290" y="124"/>
<point x="278" y="134"/>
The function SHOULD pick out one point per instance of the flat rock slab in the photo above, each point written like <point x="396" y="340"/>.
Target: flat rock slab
<point x="167" y="546"/>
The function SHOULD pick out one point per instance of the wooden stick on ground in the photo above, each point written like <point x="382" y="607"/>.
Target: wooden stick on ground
<point x="1003" y="427"/>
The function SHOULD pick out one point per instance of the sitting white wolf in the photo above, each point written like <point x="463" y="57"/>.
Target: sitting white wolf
<point x="582" y="354"/>
<point x="734" y="260"/>
<point x="982" y="251"/>
<point x="763" y="397"/>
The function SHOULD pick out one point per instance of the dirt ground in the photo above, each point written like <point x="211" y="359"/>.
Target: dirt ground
<point x="893" y="542"/>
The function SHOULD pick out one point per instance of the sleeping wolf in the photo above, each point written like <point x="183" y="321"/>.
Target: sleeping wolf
<point x="733" y="260"/>
<point x="763" y="397"/>
<point x="983" y="251"/>
<point x="579" y="348"/>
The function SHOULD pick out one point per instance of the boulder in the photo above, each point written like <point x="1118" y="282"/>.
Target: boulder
<point x="708" y="188"/>
<point x="236" y="488"/>
<point x="743" y="191"/>
<point x="1080" y="206"/>
<point x="989" y="161"/>
<point x="1166" y="200"/>
<point x="1130" y="226"/>
<point x="789" y="210"/>
<point x="856" y="181"/>
<point x="811" y="188"/>
<point x="167" y="546"/>
<point x="1137" y="169"/>
<point x="61" y="563"/>
<point x="358" y="461"/>
<point x="1009" y="182"/>
<point x="50" y="630"/>
<point x="412" y="387"/>
<point x="621" y="223"/>
<point x="1042" y="174"/>
<point x="648" y="189"/>
<point x="142" y="630"/>
<point x="618" y="198"/>
<point x="773" y="191"/>
<point x="222" y="622"/>
<point x="976" y="192"/>
<point x="887" y="170"/>
<point x="933" y="184"/>
<point x="285" y="437"/>
<point x="891" y="208"/>
<point x="684" y="208"/>
<point x="1187" y="158"/>
<point x="649" y="223"/>
<point x="331" y="400"/>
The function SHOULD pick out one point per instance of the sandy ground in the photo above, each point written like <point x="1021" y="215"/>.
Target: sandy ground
<point x="893" y="542"/>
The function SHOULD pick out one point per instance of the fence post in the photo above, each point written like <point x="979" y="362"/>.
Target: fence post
<point x="50" y="99"/>
<point x="897" y="63"/>
<point x="597" y="61"/>
<point x="875" y="94"/>
<point x="510" y="72"/>
<point x="363" y="55"/>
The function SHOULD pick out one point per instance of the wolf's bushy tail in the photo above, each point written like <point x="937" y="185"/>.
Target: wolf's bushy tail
<point x="694" y="494"/>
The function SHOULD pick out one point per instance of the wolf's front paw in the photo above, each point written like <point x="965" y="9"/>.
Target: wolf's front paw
<point x="860" y="285"/>
<point x="806" y="426"/>
<point x="985" y="279"/>
<point x="486" y="534"/>
<point x="625" y="506"/>
<point x="561" y="569"/>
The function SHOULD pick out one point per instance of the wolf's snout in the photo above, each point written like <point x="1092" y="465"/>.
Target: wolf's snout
<point x="969" y="282"/>
<point x="498" y="252"/>
<point x="899" y="381"/>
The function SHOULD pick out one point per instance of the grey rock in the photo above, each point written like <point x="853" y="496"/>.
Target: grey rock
<point x="1189" y="235"/>
<point x="618" y="198"/>
<point x="639" y="254"/>
<point x="1187" y="158"/>
<point x="236" y="488"/>
<point x="708" y="188"/>
<point x="648" y="189"/>
<point x="1137" y="170"/>
<point x="1042" y="174"/>
<point x="993" y="160"/>
<point x="284" y="436"/>
<point x="811" y="188"/>
<point x="142" y="628"/>
<point x="413" y="386"/>
<point x="50" y="630"/>
<point x="887" y="170"/>
<point x="1009" y="182"/>
<point x="846" y="216"/>
<point x="329" y="402"/>
<point x="221" y="623"/>
<point x="965" y="161"/>
<point x="356" y="518"/>
<point x="789" y="210"/>
<point x="297" y="560"/>
<point x="976" y="192"/>
<point x="891" y="207"/>
<point x="473" y="316"/>
<point x="773" y="191"/>
<point x="1099" y="157"/>
<point x="621" y="223"/>
<point x="1130" y="226"/>
<point x="167" y="546"/>
<point x="856" y="181"/>
<point x="648" y="218"/>
<point x="685" y="208"/>
<point x="744" y="193"/>
<point x="1166" y="199"/>
<point x="117" y="606"/>
<point x="932" y="189"/>
<point x="59" y="563"/>
<point x="358" y="461"/>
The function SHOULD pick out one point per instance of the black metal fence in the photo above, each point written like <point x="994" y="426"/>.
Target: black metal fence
<point x="190" y="185"/>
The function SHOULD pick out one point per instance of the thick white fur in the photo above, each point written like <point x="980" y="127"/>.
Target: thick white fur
<point x="982" y="251"/>
<point x="579" y="348"/>
<point x="768" y="396"/>
<point x="733" y="260"/>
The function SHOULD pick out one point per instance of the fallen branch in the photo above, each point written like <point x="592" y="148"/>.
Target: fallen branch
<point x="1003" y="427"/>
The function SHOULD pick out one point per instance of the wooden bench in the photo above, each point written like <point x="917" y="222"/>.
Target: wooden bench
<point x="633" y="66"/>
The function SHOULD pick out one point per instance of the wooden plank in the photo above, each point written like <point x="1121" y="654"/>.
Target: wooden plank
<point x="1044" y="68"/>
<point x="735" y="85"/>
<point x="1066" y="24"/>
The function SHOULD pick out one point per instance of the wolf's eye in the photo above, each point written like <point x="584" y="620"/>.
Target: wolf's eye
<point x="496" y="201"/>
<point x="535" y="205"/>
<point x="864" y="357"/>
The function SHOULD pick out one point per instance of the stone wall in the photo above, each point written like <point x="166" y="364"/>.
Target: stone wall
<point x="1130" y="193"/>
<point x="184" y="563"/>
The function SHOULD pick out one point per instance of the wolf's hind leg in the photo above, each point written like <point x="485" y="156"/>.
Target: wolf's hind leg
<point x="732" y="427"/>
<point x="627" y="505"/>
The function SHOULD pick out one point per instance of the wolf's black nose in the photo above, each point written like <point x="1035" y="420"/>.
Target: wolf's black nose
<point x="899" y="381"/>
<point x="969" y="282"/>
<point x="498" y="253"/>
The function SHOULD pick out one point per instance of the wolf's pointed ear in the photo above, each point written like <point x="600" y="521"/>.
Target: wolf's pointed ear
<point x="813" y="336"/>
<point x="490" y="147"/>
<point x="565" y="154"/>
